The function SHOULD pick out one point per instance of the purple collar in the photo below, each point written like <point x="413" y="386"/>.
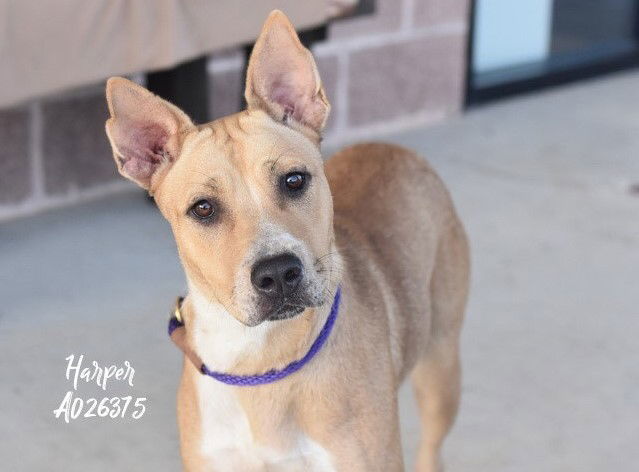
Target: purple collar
<point x="175" y="323"/>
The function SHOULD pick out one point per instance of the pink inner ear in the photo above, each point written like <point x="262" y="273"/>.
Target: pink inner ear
<point x="292" y="87"/>
<point x="142" y="147"/>
<point x="292" y="99"/>
<point x="284" y="95"/>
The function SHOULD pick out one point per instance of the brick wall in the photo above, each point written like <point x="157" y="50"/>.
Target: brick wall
<point x="400" y="67"/>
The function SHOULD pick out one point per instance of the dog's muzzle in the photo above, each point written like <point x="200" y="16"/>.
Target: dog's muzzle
<point x="278" y="281"/>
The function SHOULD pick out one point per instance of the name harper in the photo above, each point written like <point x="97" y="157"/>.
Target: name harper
<point x="96" y="373"/>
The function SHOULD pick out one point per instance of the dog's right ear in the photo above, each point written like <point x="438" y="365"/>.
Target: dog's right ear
<point x="282" y="77"/>
<point x="145" y="131"/>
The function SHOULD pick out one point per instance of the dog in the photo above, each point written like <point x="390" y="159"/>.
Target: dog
<point x="328" y="282"/>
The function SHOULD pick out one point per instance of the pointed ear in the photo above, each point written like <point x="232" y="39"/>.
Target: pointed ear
<point x="282" y="77"/>
<point x="145" y="131"/>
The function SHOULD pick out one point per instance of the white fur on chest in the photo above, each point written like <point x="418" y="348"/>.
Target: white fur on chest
<point x="226" y="439"/>
<point x="218" y="337"/>
<point x="228" y="444"/>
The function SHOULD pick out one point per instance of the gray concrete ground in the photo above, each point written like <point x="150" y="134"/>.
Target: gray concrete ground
<point x="550" y="344"/>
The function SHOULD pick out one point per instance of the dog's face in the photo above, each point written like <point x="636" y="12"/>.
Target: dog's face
<point x="246" y="195"/>
<point x="251" y="211"/>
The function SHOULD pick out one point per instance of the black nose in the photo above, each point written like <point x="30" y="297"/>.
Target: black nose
<point x="277" y="276"/>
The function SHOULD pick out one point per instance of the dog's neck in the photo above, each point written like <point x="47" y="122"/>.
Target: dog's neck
<point x="226" y="345"/>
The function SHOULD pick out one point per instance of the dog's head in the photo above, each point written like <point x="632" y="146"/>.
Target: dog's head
<point x="246" y="195"/>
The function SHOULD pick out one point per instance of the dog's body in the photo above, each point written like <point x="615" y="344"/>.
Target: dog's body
<point x="404" y="286"/>
<point x="389" y="237"/>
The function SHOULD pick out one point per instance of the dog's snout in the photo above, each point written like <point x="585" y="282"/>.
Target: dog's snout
<point x="277" y="276"/>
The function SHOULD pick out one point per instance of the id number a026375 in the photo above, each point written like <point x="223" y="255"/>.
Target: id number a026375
<point x="108" y="407"/>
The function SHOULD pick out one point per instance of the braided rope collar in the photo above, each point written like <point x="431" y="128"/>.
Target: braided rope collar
<point x="177" y="333"/>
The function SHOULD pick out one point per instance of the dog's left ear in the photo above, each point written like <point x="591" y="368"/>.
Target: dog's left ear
<point x="145" y="131"/>
<point x="282" y="77"/>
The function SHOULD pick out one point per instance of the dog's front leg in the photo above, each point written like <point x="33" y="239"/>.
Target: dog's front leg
<point x="353" y="456"/>
<point x="367" y="442"/>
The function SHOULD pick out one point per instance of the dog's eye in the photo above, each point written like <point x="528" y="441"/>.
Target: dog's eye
<point x="294" y="182"/>
<point x="203" y="209"/>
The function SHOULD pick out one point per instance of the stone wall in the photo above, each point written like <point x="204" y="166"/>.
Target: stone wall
<point x="400" y="67"/>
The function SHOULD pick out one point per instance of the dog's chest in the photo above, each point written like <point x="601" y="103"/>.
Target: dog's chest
<point x="228" y="442"/>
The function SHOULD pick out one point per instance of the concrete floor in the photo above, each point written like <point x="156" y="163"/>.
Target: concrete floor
<point x="550" y="344"/>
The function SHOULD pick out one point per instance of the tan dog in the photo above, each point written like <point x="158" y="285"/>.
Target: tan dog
<point x="266" y="233"/>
